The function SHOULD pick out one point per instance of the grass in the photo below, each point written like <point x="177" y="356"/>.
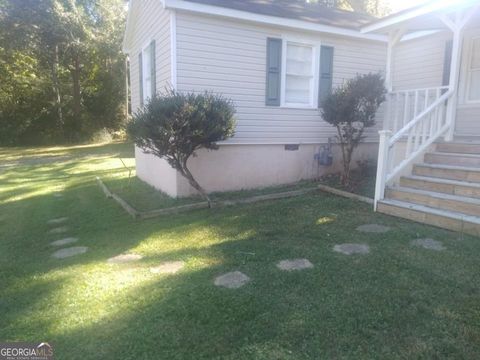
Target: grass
<point x="398" y="302"/>
<point x="362" y="180"/>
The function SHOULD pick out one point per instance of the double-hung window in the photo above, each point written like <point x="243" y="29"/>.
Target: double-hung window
<point x="147" y="73"/>
<point x="147" y="78"/>
<point x="474" y="71"/>
<point x="299" y="75"/>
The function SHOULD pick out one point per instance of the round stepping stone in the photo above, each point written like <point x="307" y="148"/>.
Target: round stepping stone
<point x="429" y="244"/>
<point x="295" y="264"/>
<point x="59" y="230"/>
<point x="69" y="252"/>
<point x="57" y="221"/>
<point x="232" y="280"/>
<point x="66" y="241"/>
<point x="373" y="228"/>
<point x="124" y="258"/>
<point x="169" y="267"/>
<point x="351" y="249"/>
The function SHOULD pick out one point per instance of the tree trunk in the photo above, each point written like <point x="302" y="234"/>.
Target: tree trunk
<point x="77" y="104"/>
<point x="188" y="175"/>
<point x="56" y="88"/>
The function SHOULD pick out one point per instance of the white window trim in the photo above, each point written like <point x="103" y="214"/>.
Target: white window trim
<point x="315" y="71"/>
<point x="469" y="70"/>
<point x="144" y="73"/>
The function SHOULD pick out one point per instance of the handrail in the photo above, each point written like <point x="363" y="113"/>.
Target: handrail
<point x="402" y="132"/>
<point x="420" y="89"/>
<point x="421" y="131"/>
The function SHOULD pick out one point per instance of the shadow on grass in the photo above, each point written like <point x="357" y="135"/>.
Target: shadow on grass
<point x="397" y="302"/>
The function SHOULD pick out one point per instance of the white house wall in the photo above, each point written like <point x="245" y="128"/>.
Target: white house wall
<point x="152" y="22"/>
<point x="419" y="63"/>
<point x="229" y="57"/>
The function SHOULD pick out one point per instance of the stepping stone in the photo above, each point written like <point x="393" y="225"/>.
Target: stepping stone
<point x="170" y="267"/>
<point x="296" y="264"/>
<point x="373" y="228"/>
<point x="69" y="252"/>
<point x="429" y="244"/>
<point x="124" y="258"/>
<point x="66" y="241"/>
<point x="232" y="280"/>
<point x="57" y="221"/>
<point x="351" y="249"/>
<point x="59" y="230"/>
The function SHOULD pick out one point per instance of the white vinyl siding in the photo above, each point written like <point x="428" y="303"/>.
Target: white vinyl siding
<point x="151" y="22"/>
<point x="229" y="57"/>
<point x="419" y="63"/>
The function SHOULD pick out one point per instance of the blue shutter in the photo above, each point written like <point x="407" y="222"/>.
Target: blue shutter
<point x="326" y="73"/>
<point x="274" y="71"/>
<point x="153" y="68"/>
<point x="140" y="77"/>
<point x="447" y="63"/>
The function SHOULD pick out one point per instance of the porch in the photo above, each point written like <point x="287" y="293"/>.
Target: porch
<point x="429" y="157"/>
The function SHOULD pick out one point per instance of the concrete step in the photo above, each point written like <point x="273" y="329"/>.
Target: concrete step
<point x="456" y="159"/>
<point x="454" y="203"/>
<point x="445" y="186"/>
<point x="426" y="215"/>
<point x="458" y="147"/>
<point x="450" y="172"/>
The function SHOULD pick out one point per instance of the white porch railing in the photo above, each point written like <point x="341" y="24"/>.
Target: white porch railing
<point x="416" y="119"/>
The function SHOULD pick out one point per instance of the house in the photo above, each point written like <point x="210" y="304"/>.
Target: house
<point x="243" y="49"/>
<point x="276" y="59"/>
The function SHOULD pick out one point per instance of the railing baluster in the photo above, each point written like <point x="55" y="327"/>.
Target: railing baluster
<point x="406" y="110"/>
<point x="397" y="109"/>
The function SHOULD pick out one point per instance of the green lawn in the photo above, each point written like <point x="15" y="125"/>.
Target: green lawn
<point x="398" y="302"/>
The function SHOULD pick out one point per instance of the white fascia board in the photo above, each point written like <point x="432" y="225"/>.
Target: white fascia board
<point x="416" y="12"/>
<point x="269" y="20"/>
<point x="128" y="29"/>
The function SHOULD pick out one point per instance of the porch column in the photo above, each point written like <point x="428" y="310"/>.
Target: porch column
<point x="393" y="39"/>
<point x="457" y="26"/>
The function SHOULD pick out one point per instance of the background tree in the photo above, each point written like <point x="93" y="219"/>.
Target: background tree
<point x="63" y="58"/>
<point x="351" y="108"/>
<point x="176" y="125"/>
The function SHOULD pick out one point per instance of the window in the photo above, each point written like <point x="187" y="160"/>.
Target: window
<point x="147" y="73"/>
<point x="299" y="74"/>
<point x="474" y="72"/>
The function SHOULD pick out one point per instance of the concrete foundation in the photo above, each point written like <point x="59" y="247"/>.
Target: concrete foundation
<point x="238" y="167"/>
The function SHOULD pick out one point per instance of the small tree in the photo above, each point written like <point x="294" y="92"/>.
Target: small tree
<point x="175" y="125"/>
<point x="351" y="108"/>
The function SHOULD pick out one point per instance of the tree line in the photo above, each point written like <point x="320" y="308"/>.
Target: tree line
<point x="62" y="70"/>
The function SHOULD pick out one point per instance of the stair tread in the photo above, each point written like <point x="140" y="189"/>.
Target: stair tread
<point x="438" y="195"/>
<point x="443" y="181"/>
<point x="448" y="167"/>
<point x="433" y="211"/>
<point x="455" y="154"/>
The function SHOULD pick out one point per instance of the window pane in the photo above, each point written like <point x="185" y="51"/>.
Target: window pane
<point x="474" y="93"/>
<point x="299" y="59"/>
<point x="476" y="54"/>
<point x="297" y="90"/>
<point x="147" y="71"/>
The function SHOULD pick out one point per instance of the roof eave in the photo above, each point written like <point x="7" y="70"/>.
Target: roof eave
<point x="269" y="20"/>
<point x="383" y="26"/>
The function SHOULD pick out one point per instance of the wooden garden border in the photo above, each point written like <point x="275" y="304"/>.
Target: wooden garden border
<point x="137" y="214"/>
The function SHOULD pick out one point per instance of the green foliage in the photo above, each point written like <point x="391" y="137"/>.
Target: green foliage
<point x="175" y="125"/>
<point x="63" y="68"/>
<point x="351" y="108"/>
